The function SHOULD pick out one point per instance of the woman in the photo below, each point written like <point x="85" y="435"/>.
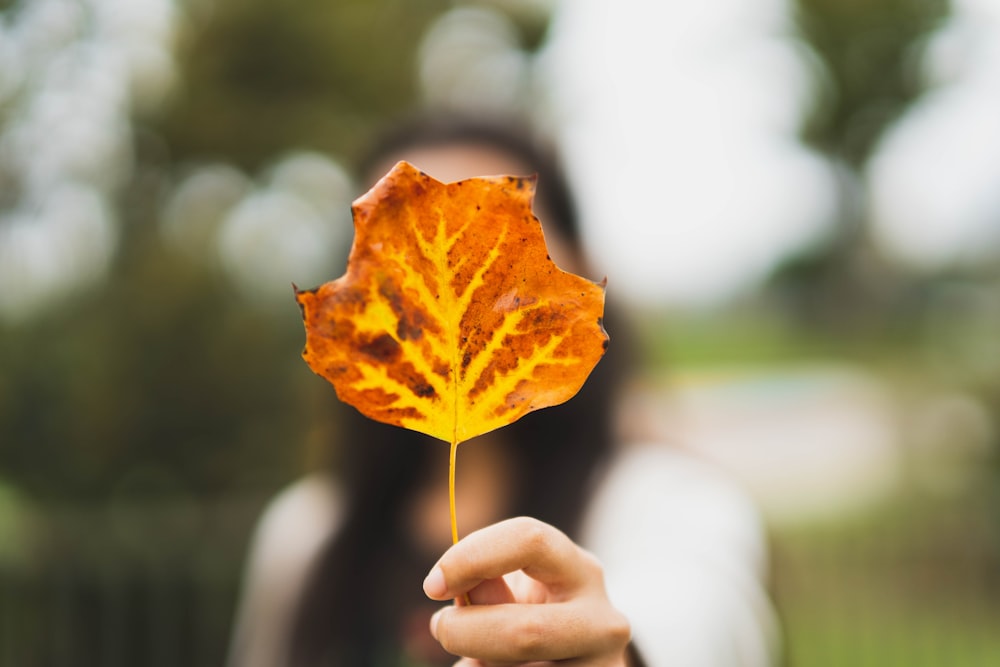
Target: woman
<point x="334" y="578"/>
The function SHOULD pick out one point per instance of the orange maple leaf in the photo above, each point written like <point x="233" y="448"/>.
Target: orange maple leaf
<point x="451" y="319"/>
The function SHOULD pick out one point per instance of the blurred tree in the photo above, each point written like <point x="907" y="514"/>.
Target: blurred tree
<point x="163" y="367"/>
<point x="261" y="77"/>
<point x="869" y="52"/>
<point x="164" y="386"/>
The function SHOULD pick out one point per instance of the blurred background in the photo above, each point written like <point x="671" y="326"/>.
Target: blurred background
<point x="799" y="200"/>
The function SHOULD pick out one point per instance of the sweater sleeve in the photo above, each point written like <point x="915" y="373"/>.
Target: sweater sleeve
<point x="288" y="538"/>
<point x="685" y="558"/>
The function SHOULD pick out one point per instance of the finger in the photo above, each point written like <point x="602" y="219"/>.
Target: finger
<point x="488" y="591"/>
<point x="491" y="591"/>
<point x="528" y="632"/>
<point x="469" y="662"/>
<point x="540" y="550"/>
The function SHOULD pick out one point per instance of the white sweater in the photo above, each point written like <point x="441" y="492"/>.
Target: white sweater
<point x="684" y="554"/>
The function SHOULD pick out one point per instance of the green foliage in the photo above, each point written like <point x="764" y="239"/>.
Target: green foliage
<point x="870" y="49"/>
<point x="161" y="367"/>
<point x="870" y="53"/>
<point x="261" y="77"/>
<point x="163" y="379"/>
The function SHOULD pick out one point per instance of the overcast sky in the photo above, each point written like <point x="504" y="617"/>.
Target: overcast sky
<point x="679" y="120"/>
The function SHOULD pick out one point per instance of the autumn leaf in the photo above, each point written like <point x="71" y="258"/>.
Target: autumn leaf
<point x="451" y="319"/>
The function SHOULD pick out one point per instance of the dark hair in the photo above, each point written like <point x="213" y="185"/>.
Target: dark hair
<point x="346" y="617"/>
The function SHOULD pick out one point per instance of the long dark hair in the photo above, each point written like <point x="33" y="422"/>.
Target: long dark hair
<point x="368" y="576"/>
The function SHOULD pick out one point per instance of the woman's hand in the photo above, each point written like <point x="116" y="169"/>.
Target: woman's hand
<point x="536" y="597"/>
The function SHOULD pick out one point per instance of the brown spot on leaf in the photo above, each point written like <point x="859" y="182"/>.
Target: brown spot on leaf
<point x="382" y="348"/>
<point x="423" y="390"/>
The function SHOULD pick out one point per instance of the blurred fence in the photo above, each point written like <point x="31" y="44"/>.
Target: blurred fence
<point x="151" y="586"/>
<point x="123" y="616"/>
<point x="156" y="586"/>
<point x="916" y="586"/>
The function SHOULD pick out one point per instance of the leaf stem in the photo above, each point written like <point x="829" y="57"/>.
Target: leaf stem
<point x="451" y="490"/>
<point x="464" y="600"/>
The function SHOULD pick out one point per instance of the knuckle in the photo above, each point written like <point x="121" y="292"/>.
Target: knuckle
<point x="592" y="565"/>
<point x="592" y="572"/>
<point x="619" y="630"/>
<point x="529" y="637"/>
<point x="535" y="535"/>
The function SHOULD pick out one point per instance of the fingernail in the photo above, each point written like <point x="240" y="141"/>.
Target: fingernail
<point x="435" y="586"/>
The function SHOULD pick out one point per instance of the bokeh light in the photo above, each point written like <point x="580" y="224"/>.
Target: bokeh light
<point x="679" y="122"/>
<point x="289" y="226"/>
<point x="71" y="75"/>
<point x="935" y="200"/>
<point x="471" y="58"/>
<point x="289" y="231"/>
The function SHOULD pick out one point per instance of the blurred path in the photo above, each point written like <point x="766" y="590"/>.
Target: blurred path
<point x="807" y="441"/>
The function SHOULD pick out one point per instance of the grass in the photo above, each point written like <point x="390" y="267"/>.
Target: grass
<point x="872" y="631"/>
<point x="676" y="345"/>
<point x="914" y="584"/>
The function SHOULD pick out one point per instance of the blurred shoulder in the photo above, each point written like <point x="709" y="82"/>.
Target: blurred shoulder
<point x="298" y="520"/>
<point x="685" y="553"/>
<point x="653" y="485"/>
<point x="289" y="538"/>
